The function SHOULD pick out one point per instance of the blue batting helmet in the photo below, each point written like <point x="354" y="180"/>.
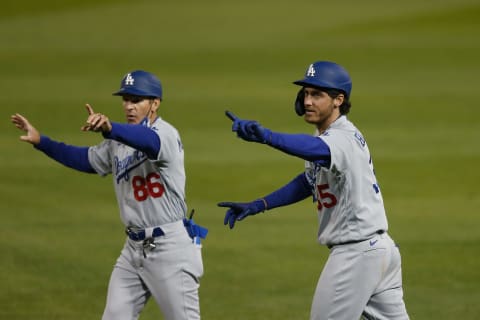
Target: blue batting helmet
<point x="326" y="74"/>
<point x="140" y="83"/>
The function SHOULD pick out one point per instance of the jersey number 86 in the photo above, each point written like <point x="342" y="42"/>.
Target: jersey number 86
<point x="149" y="186"/>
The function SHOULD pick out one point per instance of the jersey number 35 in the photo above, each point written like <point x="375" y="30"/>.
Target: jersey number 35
<point x="325" y="198"/>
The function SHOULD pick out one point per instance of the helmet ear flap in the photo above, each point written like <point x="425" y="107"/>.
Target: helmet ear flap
<point x="299" y="103"/>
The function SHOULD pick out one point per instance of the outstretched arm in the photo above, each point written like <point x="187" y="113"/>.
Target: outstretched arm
<point x="300" y="145"/>
<point x="294" y="191"/>
<point x="70" y="156"/>
<point x="136" y="136"/>
<point x="307" y="147"/>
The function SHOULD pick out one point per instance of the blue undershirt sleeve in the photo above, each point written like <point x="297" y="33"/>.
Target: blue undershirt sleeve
<point x="296" y="190"/>
<point x="71" y="156"/>
<point x="304" y="146"/>
<point x="136" y="136"/>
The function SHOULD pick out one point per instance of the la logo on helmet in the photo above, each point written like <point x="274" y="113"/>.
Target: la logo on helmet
<point x="129" y="80"/>
<point x="311" y="71"/>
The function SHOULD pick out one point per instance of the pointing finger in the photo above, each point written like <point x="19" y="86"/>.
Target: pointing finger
<point x="225" y="204"/>
<point x="230" y="115"/>
<point x="89" y="109"/>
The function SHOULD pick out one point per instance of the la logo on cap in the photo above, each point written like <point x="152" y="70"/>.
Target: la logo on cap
<point x="129" y="80"/>
<point x="311" y="71"/>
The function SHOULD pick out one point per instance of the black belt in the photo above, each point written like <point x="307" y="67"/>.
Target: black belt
<point x="141" y="234"/>
<point x="330" y="246"/>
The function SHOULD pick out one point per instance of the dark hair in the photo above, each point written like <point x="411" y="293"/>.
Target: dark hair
<point x="346" y="105"/>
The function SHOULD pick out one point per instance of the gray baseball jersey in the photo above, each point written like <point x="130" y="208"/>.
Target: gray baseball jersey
<point x="364" y="265"/>
<point x="350" y="205"/>
<point x="149" y="192"/>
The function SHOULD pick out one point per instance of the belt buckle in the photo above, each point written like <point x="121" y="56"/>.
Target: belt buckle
<point x="148" y="245"/>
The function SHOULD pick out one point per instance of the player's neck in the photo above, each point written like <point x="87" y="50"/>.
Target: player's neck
<point x="151" y="119"/>
<point x="324" y="125"/>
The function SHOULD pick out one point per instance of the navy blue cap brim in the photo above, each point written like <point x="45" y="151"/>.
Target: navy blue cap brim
<point x="133" y="92"/>
<point x="304" y="83"/>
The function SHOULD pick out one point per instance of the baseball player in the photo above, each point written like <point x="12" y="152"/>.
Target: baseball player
<point x="162" y="253"/>
<point x="362" y="276"/>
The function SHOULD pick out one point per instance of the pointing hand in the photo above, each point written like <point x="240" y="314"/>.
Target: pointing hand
<point x="96" y="121"/>
<point x="238" y="211"/>
<point x="248" y="130"/>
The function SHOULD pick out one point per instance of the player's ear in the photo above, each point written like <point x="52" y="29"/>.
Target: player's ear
<point x="155" y="103"/>
<point x="338" y="100"/>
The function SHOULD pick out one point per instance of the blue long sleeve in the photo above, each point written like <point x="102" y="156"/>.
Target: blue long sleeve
<point x="71" y="156"/>
<point x="136" y="136"/>
<point x="296" y="190"/>
<point x="307" y="147"/>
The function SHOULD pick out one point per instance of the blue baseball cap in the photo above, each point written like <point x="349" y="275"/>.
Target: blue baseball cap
<point x="140" y="83"/>
<point x="326" y="74"/>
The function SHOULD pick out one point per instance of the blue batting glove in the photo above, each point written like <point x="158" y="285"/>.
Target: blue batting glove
<point x="252" y="131"/>
<point x="249" y="130"/>
<point x="239" y="211"/>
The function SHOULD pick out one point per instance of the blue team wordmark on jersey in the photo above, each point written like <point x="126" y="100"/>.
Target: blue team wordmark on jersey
<point x="180" y="145"/>
<point x="360" y="138"/>
<point x="127" y="164"/>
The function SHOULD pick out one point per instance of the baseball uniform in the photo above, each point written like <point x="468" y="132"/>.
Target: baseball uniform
<point x="161" y="256"/>
<point x="151" y="193"/>
<point x="362" y="276"/>
<point x="364" y="264"/>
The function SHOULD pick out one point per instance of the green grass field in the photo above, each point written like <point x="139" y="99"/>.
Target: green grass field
<point x="415" y="67"/>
